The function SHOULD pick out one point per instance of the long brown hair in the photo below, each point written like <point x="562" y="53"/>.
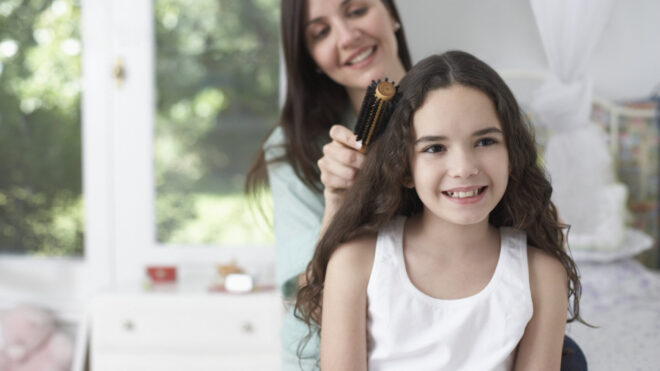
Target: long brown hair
<point x="378" y="193"/>
<point x="313" y="102"/>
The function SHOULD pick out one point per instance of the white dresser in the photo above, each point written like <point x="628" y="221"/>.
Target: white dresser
<point x="185" y="331"/>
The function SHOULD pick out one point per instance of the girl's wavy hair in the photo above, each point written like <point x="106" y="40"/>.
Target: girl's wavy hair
<point x="378" y="193"/>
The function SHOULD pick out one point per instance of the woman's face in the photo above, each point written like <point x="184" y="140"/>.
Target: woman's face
<point x="353" y="41"/>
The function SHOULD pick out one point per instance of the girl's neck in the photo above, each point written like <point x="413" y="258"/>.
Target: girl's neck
<point x="443" y="237"/>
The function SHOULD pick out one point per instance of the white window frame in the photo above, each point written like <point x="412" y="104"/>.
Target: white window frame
<point x="64" y="284"/>
<point x="132" y="158"/>
<point x="118" y="176"/>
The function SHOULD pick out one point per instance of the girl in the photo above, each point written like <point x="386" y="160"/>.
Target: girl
<point x="447" y="253"/>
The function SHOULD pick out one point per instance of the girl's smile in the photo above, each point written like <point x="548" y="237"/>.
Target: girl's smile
<point x="465" y="195"/>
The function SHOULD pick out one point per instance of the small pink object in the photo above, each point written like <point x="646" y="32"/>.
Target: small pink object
<point x="32" y="342"/>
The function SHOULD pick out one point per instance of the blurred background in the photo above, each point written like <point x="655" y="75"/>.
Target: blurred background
<point x="126" y="128"/>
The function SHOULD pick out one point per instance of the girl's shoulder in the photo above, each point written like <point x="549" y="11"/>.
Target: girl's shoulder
<point x="354" y="259"/>
<point x="546" y="273"/>
<point x="543" y="263"/>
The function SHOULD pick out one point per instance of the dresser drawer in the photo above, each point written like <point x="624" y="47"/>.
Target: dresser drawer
<point x="181" y="323"/>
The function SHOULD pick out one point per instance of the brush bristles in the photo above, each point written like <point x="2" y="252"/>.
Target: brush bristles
<point x="375" y="111"/>
<point x="362" y="125"/>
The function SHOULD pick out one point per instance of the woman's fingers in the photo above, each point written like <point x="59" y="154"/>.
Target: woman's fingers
<point x="341" y="160"/>
<point x="343" y="156"/>
<point x="343" y="135"/>
<point x="335" y="175"/>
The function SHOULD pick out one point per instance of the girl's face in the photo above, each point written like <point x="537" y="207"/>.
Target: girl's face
<point x="460" y="163"/>
<point x="353" y="41"/>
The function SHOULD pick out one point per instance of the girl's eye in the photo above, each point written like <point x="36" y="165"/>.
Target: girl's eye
<point x="434" y="148"/>
<point x="486" y="142"/>
<point x="358" y="12"/>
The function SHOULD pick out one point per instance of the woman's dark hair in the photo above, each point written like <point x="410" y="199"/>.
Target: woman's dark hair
<point x="378" y="193"/>
<point x="313" y="101"/>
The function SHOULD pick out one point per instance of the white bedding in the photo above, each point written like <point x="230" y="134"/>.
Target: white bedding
<point x="622" y="298"/>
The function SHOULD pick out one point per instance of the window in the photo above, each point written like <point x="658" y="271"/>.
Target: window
<point x="43" y="229"/>
<point x="198" y="93"/>
<point x="216" y="97"/>
<point x="174" y="96"/>
<point x="41" y="203"/>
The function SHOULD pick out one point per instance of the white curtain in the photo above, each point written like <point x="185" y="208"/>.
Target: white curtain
<point x="576" y="155"/>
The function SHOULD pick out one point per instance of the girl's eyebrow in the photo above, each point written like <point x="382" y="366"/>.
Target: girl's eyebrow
<point x="478" y="133"/>
<point x="430" y="138"/>
<point x="317" y="19"/>
<point x="488" y="130"/>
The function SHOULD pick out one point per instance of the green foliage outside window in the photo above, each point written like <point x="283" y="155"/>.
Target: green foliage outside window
<point x="217" y="89"/>
<point x="40" y="143"/>
<point x="216" y="69"/>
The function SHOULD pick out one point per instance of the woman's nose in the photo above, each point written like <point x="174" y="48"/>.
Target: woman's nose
<point x="348" y="33"/>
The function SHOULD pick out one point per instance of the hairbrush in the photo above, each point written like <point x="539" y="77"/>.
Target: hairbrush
<point x="377" y="107"/>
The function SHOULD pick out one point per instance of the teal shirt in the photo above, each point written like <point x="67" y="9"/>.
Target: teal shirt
<point x="298" y="211"/>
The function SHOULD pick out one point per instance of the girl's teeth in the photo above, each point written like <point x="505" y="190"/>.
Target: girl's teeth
<point x="471" y="193"/>
<point x="362" y="56"/>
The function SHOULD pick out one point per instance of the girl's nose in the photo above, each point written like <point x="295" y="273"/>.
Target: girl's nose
<point x="463" y="164"/>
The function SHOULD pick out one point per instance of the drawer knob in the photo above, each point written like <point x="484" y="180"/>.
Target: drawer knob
<point x="247" y="327"/>
<point x="128" y="325"/>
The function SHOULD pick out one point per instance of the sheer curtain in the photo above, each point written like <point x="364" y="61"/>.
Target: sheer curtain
<point x="576" y="155"/>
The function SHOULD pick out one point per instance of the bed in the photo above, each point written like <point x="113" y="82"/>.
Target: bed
<point x="622" y="298"/>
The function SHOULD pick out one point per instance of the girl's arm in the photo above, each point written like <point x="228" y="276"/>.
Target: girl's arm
<point x="344" y="314"/>
<point x="541" y="345"/>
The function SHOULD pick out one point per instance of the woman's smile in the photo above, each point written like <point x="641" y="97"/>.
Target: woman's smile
<point x="365" y="55"/>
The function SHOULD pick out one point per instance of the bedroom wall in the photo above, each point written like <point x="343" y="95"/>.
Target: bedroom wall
<point x="626" y="63"/>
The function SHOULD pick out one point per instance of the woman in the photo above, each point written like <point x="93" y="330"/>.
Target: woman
<point x="332" y="49"/>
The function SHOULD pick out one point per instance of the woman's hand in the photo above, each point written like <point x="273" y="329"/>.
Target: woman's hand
<point x="339" y="165"/>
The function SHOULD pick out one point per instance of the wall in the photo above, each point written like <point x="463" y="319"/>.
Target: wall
<point x="626" y="63"/>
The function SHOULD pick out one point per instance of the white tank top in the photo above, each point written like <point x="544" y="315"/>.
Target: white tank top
<point x="409" y="330"/>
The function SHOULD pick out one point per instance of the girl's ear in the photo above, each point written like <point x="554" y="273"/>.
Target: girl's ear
<point x="408" y="182"/>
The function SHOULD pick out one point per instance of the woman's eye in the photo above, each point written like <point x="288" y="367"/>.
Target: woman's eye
<point x="434" y="148"/>
<point x="486" y="142"/>
<point x="358" y="12"/>
<point x="318" y="35"/>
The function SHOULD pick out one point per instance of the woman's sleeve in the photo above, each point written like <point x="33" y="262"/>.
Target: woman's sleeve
<point x="297" y="213"/>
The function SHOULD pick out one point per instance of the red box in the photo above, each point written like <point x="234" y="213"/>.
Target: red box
<point x="162" y="274"/>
